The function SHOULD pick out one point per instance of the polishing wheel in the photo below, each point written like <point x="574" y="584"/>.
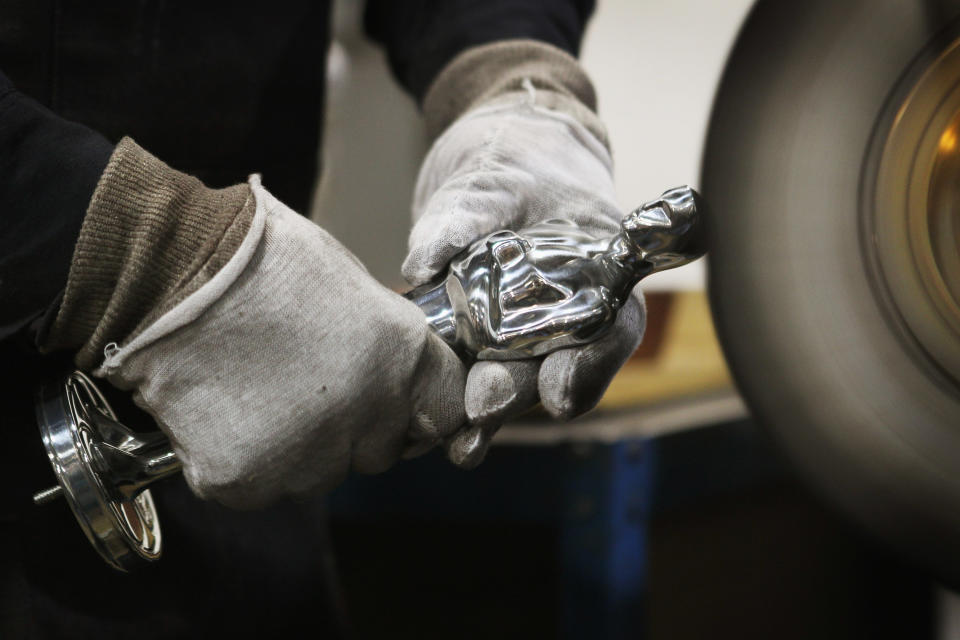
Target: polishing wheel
<point x="833" y="170"/>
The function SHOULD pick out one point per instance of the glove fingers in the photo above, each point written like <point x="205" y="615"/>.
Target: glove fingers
<point x="436" y="411"/>
<point x="572" y="381"/>
<point x="468" y="447"/>
<point x="443" y="395"/>
<point x="496" y="392"/>
<point x="438" y="408"/>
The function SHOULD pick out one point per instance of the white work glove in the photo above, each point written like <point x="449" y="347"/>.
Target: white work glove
<point x="510" y="165"/>
<point x="289" y="367"/>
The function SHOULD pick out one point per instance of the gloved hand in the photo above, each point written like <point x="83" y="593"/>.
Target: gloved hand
<point x="511" y="161"/>
<point x="286" y="367"/>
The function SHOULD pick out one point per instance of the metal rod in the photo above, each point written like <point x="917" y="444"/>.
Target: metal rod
<point x="47" y="495"/>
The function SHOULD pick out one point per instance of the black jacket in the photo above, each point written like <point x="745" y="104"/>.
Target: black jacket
<point x="188" y="81"/>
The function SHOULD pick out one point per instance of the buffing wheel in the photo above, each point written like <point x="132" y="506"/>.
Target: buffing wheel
<point x="831" y="169"/>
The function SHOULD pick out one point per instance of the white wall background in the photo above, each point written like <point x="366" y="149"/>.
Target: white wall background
<point x="655" y="63"/>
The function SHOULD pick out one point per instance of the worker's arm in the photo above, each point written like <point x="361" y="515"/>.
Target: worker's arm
<point x="50" y="167"/>
<point x="421" y="37"/>
<point x="273" y="361"/>
<point x="517" y="141"/>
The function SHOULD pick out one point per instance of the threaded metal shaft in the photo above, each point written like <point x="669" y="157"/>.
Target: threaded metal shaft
<point x="47" y="495"/>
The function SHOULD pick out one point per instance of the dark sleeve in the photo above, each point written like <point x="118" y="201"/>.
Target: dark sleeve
<point x="49" y="168"/>
<point x="422" y="36"/>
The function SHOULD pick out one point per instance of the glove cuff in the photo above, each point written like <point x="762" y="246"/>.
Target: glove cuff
<point x="150" y="237"/>
<point x="482" y="74"/>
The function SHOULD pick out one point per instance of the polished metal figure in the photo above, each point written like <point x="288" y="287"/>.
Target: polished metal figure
<point x="516" y="295"/>
<point x="511" y="295"/>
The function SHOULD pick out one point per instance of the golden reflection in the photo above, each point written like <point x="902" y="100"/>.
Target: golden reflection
<point x="948" y="141"/>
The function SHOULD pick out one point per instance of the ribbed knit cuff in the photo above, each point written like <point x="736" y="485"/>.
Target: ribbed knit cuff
<point x="481" y="74"/>
<point x="150" y="237"/>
